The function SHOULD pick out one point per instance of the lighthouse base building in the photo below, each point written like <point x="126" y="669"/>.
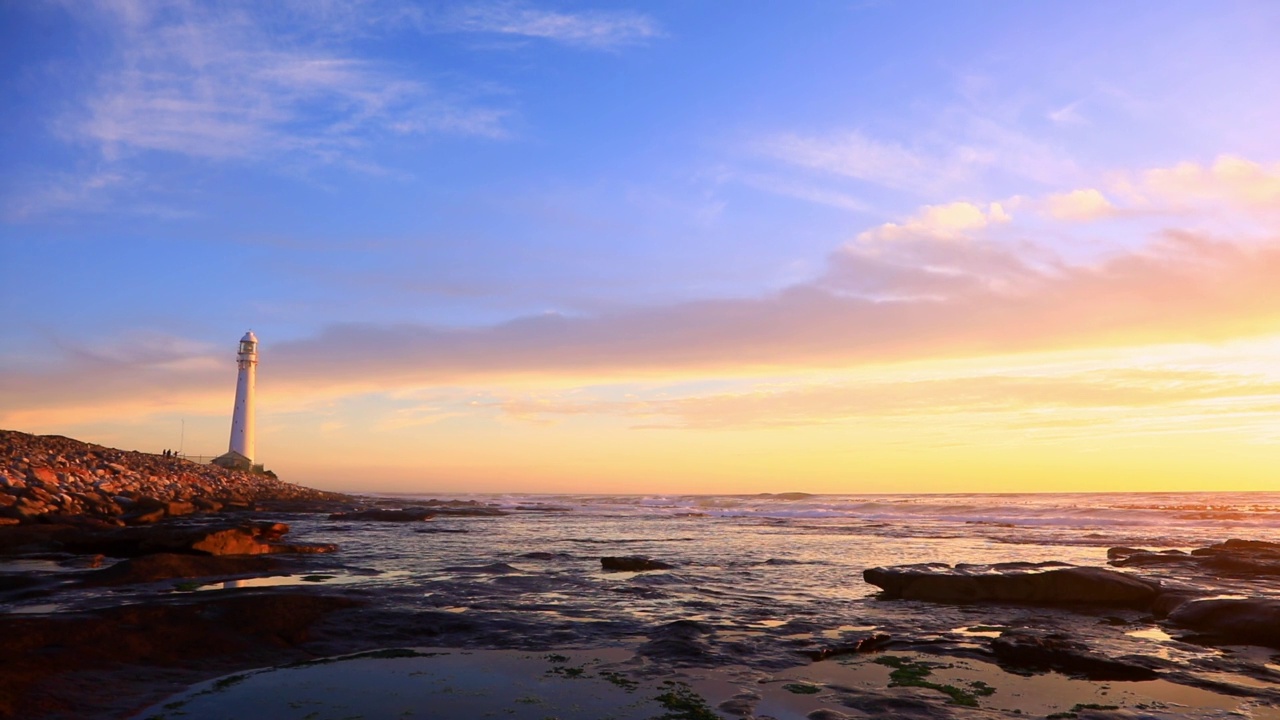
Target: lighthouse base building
<point x="233" y="461"/>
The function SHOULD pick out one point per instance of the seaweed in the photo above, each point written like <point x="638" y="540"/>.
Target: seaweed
<point x="229" y="681"/>
<point x="801" y="688"/>
<point x="572" y="673"/>
<point x="912" y="674"/>
<point x="682" y="703"/>
<point x="620" y="680"/>
<point x="1074" y="712"/>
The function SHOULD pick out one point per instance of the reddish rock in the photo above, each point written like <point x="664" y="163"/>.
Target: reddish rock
<point x="167" y="566"/>
<point x="58" y="474"/>
<point x="43" y="475"/>
<point x="144" y="518"/>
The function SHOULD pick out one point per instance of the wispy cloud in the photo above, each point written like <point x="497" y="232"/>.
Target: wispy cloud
<point x="854" y="155"/>
<point x="213" y="82"/>
<point x="57" y="192"/>
<point x="1068" y="114"/>
<point x="981" y="149"/>
<point x="590" y="29"/>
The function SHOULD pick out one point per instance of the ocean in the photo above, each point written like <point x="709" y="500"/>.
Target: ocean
<point x="757" y="583"/>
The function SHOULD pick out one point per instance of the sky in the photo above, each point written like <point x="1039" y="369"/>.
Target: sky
<point x="684" y="246"/>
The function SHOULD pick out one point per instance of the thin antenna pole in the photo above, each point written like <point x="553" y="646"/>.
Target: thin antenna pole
<point x="182" y="439"/>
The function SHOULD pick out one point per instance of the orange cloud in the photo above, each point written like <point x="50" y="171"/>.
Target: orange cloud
<point x="1081" y="205"/>
<point x="1230" y="184"/>
<point x="951" y="221"/>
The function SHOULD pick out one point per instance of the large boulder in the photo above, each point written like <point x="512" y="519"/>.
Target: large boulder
<point x="1248" y="621"/>
<point x="1019" y="583"/>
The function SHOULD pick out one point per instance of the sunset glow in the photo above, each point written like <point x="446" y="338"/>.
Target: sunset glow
<point x="517" y="247"/>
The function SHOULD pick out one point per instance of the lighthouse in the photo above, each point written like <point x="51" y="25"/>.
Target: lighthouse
<point x="240" y="452"/>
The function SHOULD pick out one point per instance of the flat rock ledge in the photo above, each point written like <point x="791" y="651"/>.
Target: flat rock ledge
<point x="1021" y="583"/>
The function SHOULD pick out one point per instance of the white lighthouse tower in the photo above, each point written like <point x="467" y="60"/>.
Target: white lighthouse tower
<point x="240" y="453"/>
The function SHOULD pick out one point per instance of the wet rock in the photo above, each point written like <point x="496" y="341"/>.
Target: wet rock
<point x="196" y="635"/>
<point x="20" y="581"/>
<point x="1233" y="557"/>
<point x="1039" y="651"/>
<point x="1138" y="557"/>
<point x="1167" y="602"/>
<point x="899" y="704"/>
<point x="632" y="563"/>
<point x="679" y="642"/>
<point x="827" y="714"/>
<point x="539" y="555"/>
<point x="1021" y="583"/>
<point x="866" y="643"/>
<point x="144" y="517"/>
<point x="1248" y="621"/>
<point x="740" y="705"/>
<point x="167" y="566"/>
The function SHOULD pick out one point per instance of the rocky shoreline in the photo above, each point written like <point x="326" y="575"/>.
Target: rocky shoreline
<point x="54" y="479"/>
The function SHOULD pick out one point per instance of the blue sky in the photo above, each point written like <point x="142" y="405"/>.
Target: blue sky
<point x="378" y="184"/>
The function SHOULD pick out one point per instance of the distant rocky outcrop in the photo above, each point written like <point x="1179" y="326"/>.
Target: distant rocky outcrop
<point x="50" y="478"/>
<point x="1233" y="557"/>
